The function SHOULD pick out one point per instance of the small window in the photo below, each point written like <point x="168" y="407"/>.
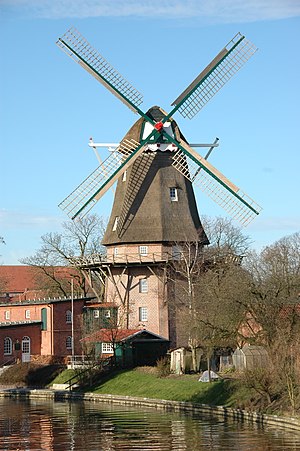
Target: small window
<point x="115" y="223"/>
<point x="173" y="194"/>
<point x="107" y="348"/>
<point x="7" y="346"/>
<point x="176" y="252"/>
<point x="69" y="342"/>
<point x="143" y="250"/>
<point x="68" y="316"/>
<point x="124" y="176"/>
<point x="96" y="313"/>
<point x="7" y="314"/>
<point x="106" y="313"/>
<point x="143" y="314"/>
<point x="26" y="345"/>
<point x="143" y="286"/>
<point x="116" y="251"/>
<point x="27" y="314"/>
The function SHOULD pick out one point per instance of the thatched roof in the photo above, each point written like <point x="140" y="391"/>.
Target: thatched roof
<point x="142" y="202"/>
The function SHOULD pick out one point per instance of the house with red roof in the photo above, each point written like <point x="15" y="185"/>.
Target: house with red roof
<point x="129" y="347"/>
<point x="37" y="327"/>
<point x="34" y="325"/>
<point x="21" y="282"/>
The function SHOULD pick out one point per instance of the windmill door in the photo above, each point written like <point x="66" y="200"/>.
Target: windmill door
<point x="25" y="349"/>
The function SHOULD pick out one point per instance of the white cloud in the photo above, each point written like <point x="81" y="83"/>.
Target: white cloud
<point x="279" y="223"/>
<point x="21" y="220"/>
<point x="214" y="11"/>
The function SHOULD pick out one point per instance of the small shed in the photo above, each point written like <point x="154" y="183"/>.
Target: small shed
<point x="131" y="347"/>
<point x="181" y="360"/>
<point x="250" y="357"/>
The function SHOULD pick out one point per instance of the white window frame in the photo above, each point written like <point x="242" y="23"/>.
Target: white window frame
<point x="7" y="346"/>
<point x="143" y="285"/>
<point x="116" y="251"/>
<point x="7" y="314"/>
<point x="124" y="176"/>
<point x="115" y="225"/>
<point x="26" y="345"/>
<point x="143" y="314"/>
<point x="69" y="343"/>
<point x="176" y="252"/>
<point x="173" y="194"/>
<point x="96" y="314"/>
<point x="68" y="317"/>
<point x="143" y="250"/>
<point x="107" y="348"/>
<point x="27" y="314"/>
<point x="107" y="313"/>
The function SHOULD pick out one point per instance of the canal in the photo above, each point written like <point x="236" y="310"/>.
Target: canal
<point x="36" y="425"/>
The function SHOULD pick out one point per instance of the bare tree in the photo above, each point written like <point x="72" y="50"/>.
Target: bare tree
<point x="274" y="312"/>
<point x="209" y="284"/>
<point x="225" y="237"/>
<point x="78" y="238"/>
<point x="275" y="286"/>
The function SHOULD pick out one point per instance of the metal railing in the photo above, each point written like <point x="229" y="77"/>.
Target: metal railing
<point x="83" y="376"/>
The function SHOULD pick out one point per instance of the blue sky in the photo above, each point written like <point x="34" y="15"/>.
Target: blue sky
<point x="49" y="106"/>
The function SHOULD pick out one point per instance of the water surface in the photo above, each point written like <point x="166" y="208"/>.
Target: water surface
<point x="87" y="426"/>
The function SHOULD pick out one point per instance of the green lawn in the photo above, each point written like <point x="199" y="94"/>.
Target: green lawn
<point x="63" y="377"/>
<point x="180" y="388"/>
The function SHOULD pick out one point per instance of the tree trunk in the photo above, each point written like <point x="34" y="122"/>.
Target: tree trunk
<point x="194" y="359"/>
<point x="208" y="367"/>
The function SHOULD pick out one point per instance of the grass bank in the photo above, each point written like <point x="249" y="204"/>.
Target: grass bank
<point x="143" y="382"/>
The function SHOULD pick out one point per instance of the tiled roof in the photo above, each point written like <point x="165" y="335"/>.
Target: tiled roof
<point x="116" y="335"/>
<point x="22" y="279"/>
<point x="42" y="301"/>
<point x="109" y="335"/>
<point x="101" y="305"/>
<point x="19" y="323"/>
<point x="17" y="278"/>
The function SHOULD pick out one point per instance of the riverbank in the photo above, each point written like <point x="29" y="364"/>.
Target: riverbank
<point x="226" y="397"/>
<point x="144" y="382"/>
<point x="211" y="412"/>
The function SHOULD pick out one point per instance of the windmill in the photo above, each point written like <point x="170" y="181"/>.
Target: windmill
<point x="154" y="207"/>
<point x="160" y="132"/>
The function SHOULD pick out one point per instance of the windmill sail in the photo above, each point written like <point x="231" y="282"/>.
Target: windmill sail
<point x="185" y="160"/>
<point x="234" y="55"/>
<point x="225" y="193"/>
<point x="79" y="49"/>
<point x="83" y="198"/>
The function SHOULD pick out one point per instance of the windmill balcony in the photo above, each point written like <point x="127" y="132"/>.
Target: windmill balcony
<point x="123" y="258"/>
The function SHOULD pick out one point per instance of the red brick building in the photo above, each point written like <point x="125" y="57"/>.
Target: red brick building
<point x="36" y="327"/>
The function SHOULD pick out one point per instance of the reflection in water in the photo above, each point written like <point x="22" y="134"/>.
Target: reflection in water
<point x="62" y="426"/>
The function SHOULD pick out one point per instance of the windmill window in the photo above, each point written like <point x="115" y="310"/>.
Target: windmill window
<point x="68" y="316"/>
<point x="176" y="252"/>
<point x="115" y="223"/>
<point x="124" y="176"/>
<point x="116" y="250"/>
<point x="173" y="194"/>
<point x="7" y="346"/>
<point x="143" y="286"/>
<point x="107" y="348"/>
<point x="143" y="314"/>
<point x="143" y="250"/>
<point x="69" y="342"/>
<point x="7" y="314"/>
<point x="96" y="314"/>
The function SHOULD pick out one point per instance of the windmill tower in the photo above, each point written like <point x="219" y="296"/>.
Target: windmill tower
<point x="154" y="207"/>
